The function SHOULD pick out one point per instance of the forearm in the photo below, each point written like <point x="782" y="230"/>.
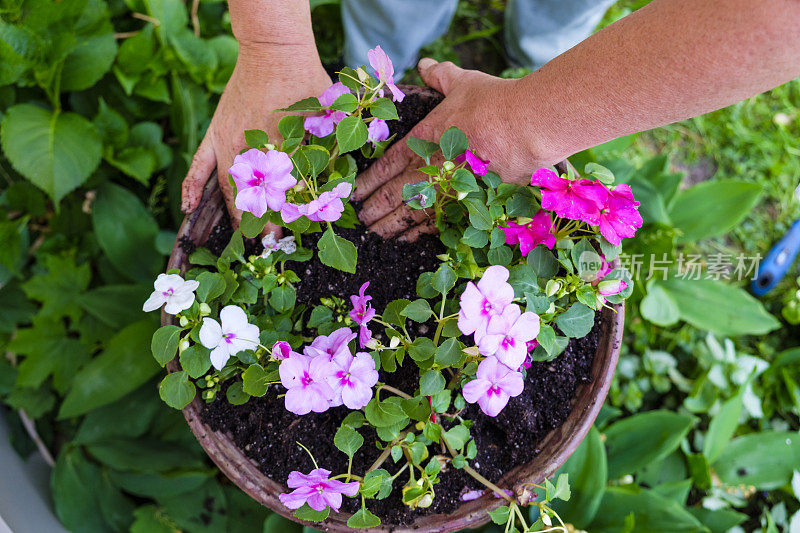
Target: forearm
<point x="669" y="61"/>
<point x="274" y="30"/>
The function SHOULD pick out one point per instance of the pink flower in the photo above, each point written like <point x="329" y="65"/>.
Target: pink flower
<point x="317" y="490"/>
<point x="494" y="385"/>
<point x="508" y="334"/>
<point x="262" y="180"/>
<point x="328" y="207"/>
<point x="362" y="313"/>
<point x="619" y="216"/>
<point x="538" y="231"/>
<point x="281" y="350"/>
<point x="384" y="71"/>
<point x="322" y="126"/>
<point x="611" y="286"/>
<point x="378" y="131"/>
<point x="353" y="380"/>
<point x="530" y="346"/>
<point x="329" y="347"/>
<point x="305" y="379"/>
<point x="479" y="166"/>
<point x="479" y="303"/>
<point x="579" y="199"/>
<point x="605" y="268"/>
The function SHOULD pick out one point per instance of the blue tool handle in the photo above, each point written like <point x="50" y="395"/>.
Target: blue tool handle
<point x="778" y="261"/>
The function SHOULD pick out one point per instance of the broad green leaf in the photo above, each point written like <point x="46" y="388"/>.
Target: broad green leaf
<point x="419" y="310"/>
<point x="309" y="514"/>
<point x="543" y="262"/>
<point x="362" y="519"/>
<point x="577" y="321"/>
<point x="348" y="440"/>
<point x="211" y="285"/>
<point x="122" y="367"/>
<point x="722" y="427"/>
<point x="383" y="108"/>
<point x="115" y="305"/>
<point x="453" y="143"/>
<point x="651" y="512"/>
<point x="165" y="343"/>
<point x="443" y="279"/>
<point x="765" y="460"/>
<point x="419" y="195"/>
<point x="479" y="215"/>
<point x="255" y="380"/>
<point x="712" y="208"/>
<point x="351" y="134"/>
<point x="76" y="483"/>
<point x="384" y="413"/>
<point x="56" y="151"/>
<point x="587" y="469"/>
<point x="256" y="138"/>
<point x="449" y="353"/>
<point x="644" y="438"/>
<point x="456" y="437"/>
<point x="659" y="307"/>
<point x="346" y="102"/>
<point x="94" y="49"/>
<point x="337" y="252"/>
<point x="424" y="149"/>
<point x="718" y="520"/>
<point x="58" y="289"/>
<point x="251" y="226"/>
<point x="431" y="382"/>
<point x="176" y="390"/>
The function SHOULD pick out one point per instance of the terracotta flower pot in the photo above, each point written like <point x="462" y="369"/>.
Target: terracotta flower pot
<point x="555" y="448"/>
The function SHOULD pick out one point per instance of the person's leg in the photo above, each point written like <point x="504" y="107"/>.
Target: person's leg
<point x="400" y="27"/>
<point x="539" y="30"/>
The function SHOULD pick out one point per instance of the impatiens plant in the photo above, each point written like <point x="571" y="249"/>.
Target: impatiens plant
<point x="524" y="268"/>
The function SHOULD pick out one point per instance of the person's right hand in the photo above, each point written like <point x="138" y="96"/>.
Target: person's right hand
<point x="262" y="81"/>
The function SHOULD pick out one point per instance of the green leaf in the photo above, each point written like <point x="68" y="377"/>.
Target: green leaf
<point x="176" y="390"/>
<point x="588" y="470"/>
<point x="337" y="252"/>
<point x="644" y="438"/>
<point x="384" y="413"/>
<point x="419" y="310"/>
<point x="363" y="518"/>
<point x="722" y="427"/>
<point x="443" y="279"/>
<point x="346" y="102"/>
<point x="479" y="215"/>
<point x="697" y="218"/>
<point x="500" y="515"/>
<point x="195" y="360"/>
<point x="715" y="306"/>
<point x="55" y="151"/>
<point x="383" y="108"/>
<point x="475" y="238"/>
<point x="599" y="172"/>
<point x="431" y="382"/>
<point x="251" y="226"/>
<point x="348" y="440"/>
<point x="376" y="483"/>
<point x="453" y="143"/>
<point x="422" y="148"/>
<point x="421" y="349"/>
<point x="126" y="232"/>
<point x="256" y="138"/>
<point x="165" y="343"/>
<point x="235" y="394"/>
<point x="76" y="485"/>
<point x="577" y="321"/>
<point x="449" y="353"/>
<point x="543" y="262"/>
<point x="60" y="288"/>
<point x="119" y="369"/>
<point x="419" y="195"/>
<point x="351" y="134"/>
<point x="212" y="285"/>
<point x="255" y="380"/>
<point x="456" y="437"/>
<point x="306" y="104"/>
<point x="310" y="515"/>
<point x="659" y="307"/>
<point x="652" y="513"/>
<point x="291" y="127"/>
<point x="765" y="460"/>
<point x="718" y="520"/>
<point x="283" y="298"/>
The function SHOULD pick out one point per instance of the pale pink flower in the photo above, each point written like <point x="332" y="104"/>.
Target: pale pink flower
<point x="611" y="287"/>
<point x="538" y="231"/>
<point x="378" y="131"/>
<point x="507" y="336"/>
<point x="353" y="379"/>
<point x="494" y="385"/>
<point x="479" y="303"/>
<point x="579" y="199"/>
<point x="323" y="125"/>
<point x="281" y="350"/>
<point x="384" y="71"/>
<point x="317" y="490"/>
<point x="361" y="313"/>
<point x="262" y="180"/>
<point x="173" y="290"/>
<point x="331" y="346"/>
<point x="305" y="379"/>
<point x="327" y="208"/>
<point x="605" y="268"/>
<point x="479" y="166"/>
<point x="619" y="216"/>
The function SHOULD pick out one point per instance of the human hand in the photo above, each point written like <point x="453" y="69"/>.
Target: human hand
<point x="483" y="107"/>
<point x="260" y="83"/>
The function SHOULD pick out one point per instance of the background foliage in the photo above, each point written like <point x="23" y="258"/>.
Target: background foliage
<point x="102" y="104"/>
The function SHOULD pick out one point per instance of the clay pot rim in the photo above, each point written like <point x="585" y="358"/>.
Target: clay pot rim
<point x="555" y="448"/>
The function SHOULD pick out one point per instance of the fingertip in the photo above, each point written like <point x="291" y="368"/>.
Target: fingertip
<point x="426" y="63"/>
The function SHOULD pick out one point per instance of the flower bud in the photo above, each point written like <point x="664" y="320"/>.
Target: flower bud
<point x="546" y="520"/>
<point x="205" y="310"/>
<point x="269" y="146"/>
<point x="425" y="501"/>
<point x="373" y="344"/>
<point x="611" y="286"/>
<point x="448" y="166"/>
<point x="183" y="321"/>
<point x="301" y="185"/>
<point x="183" y="345"/>
<point x="362" y="74"/>
<point x="395" y="342"/>
<point x="461" y="195"/>
<point x="552" y="287"/>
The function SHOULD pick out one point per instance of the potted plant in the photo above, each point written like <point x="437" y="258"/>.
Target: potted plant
<point x="431" y="384"/>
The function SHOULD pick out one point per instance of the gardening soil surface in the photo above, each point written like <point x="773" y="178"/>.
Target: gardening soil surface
<point x="268" y="433"/>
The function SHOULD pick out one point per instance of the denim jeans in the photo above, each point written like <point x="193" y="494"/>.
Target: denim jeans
<point x="536" y="31"/>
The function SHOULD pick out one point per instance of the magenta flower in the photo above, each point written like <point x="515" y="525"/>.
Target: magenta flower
<point x="579" y="199"/>
<point x="281" y="350"/>
<point x="530" y="346"/>
<point x="378" y="131"/>
<point x="317" y="490"/>
<point x="330" y="347"/>
<point x="538" y="231"/>
<point x="306" y="381"/>
<point x="327" y="208"/>
<point x="353" y="379"/>
<point x="605" y="268"/>
<point x="323" y="125"/>
<point x="494" y="385"/>
<point x="611" y="287"/>
<point x="262" y="180"/>
<point x="479" y="166"/>
<point x="619" y="216"/>
<point x="507" y="336"/>
<point x="362" y="313"/>
<point x="479" y="303"/>
<point x="384" y="71"/>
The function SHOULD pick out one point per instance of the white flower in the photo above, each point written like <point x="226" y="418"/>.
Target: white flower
<point x="286" y="245"/>
<point x="234" y="335"/>
<point x="173" y="290"/>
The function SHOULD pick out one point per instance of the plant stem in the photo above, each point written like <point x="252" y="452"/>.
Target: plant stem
<point x="398" y="392"/>
<point x="469" y="470"/>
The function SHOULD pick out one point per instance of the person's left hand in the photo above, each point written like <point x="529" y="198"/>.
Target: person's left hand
<point x="484" y="108"/>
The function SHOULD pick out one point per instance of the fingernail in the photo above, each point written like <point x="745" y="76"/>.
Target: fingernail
<point x="426" y="62"/>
